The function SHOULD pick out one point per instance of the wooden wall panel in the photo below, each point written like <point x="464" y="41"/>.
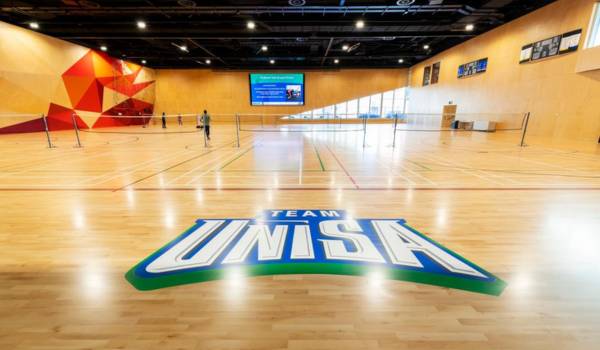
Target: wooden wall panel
<point x="563" y="103"/>
<point x="192" y="90"/>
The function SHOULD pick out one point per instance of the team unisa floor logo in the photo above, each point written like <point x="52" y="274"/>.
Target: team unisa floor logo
<point x="309" y="242"/>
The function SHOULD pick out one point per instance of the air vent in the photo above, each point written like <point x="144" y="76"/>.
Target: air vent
<point x="186" y="3"/>
<point x="405" y="2"/>
<point x="89" y="4"/>
<point x="297" y="2"/>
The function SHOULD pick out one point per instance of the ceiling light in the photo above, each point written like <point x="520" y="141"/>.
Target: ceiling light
<point x="426" y="47"/>
<point x="469" y="27"/>
<point x="264" y="48"/>
<point x="183" y="48"/>
<point x="360" y="24"/>
<point x="143" y="61"/>
<point x="250" y="25"/>
<point x="141" y="24"/>
<point x="103" y="48"/>
<point x="336" y="61"/>
<point x="345" y="47"/>
<point x="34" y="25"/>
<point x="272" y="61"/>
<point x="400" y="60"/>
<point x="207" y="61"/>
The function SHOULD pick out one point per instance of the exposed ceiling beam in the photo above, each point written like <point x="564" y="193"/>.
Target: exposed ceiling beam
<point x="327" y="51"/>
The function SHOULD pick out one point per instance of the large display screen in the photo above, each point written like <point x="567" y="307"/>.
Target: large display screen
<point x="276" y="89"/>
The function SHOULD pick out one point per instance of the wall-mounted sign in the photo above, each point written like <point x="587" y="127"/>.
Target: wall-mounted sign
<point x="435" y="72"/>
<point x="308" y="242"/>
<point x="426" y="75"/>
<point x="556" y="45"/>
<point x="472" y="68"/>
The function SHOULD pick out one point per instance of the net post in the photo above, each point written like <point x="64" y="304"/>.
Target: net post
<point x="204" y="130"/>
<point x="262" y="117"/>
<point x="525" y="129"/>
<point x="237" y="129"/>
<point x="76" y="130"/>
<point x="47" y="131"/>
<point x="364" y="132"/>
<point x="395" y="126"/>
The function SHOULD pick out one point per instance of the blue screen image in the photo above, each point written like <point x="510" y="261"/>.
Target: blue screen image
<point x="276" y="89"/>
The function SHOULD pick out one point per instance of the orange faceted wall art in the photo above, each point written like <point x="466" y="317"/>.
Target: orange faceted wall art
<point x="100" y="88"/>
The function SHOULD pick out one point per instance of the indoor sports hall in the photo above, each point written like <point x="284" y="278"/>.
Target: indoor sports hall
<point x="302" y="174"/>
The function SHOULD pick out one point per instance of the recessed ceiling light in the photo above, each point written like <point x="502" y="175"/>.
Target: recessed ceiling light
<point x="426" y="47"/>
<point x="141" y="24"/>
<point x="272" y="61"/>
<point x="207" y="61"/>
<point x="34" y="25"/>
<point x="143" y="61"/>
<point x="183" y="48"/>
<point x="400" y="60"/>
<point x="264" y="48"/>
<point x="360" y="24"/>
<point x="345" y="47"/>
<point x="336" y="61"/>
<point x="103" y="48"/>
<point x="250" y="25"/>
<point x="469" y="27"/>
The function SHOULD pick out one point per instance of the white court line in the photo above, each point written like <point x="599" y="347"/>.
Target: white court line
<point x="457" y="166"/>
<point x="130" y="169"/>
<point x="212" y="169"/>
<point x="200" y="165"/>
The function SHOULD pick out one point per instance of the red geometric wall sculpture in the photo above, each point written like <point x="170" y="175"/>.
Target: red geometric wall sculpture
<point x="87" y="83"/>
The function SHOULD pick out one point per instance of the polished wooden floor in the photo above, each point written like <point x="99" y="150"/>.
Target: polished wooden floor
<point x="74" y="220"/>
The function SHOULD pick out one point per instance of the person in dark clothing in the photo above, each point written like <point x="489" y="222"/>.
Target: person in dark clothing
<point x="164" y="120"/>
<point x="206" y="122"/>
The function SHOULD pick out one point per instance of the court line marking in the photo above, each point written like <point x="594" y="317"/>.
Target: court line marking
<point x="99" y="179"/>
<point x="157" y="189"/>
<point x="343" y="168"/>
<point x="209" y="163"/>
<point x="213" y="168"/>
<point x="171" y="167"/>
<point x="229" y="153"/>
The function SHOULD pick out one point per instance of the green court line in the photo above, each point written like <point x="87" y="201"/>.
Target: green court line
<point x="236" y="158"/>
<point x="318" y="156"/>
<point x="418" y="164"/>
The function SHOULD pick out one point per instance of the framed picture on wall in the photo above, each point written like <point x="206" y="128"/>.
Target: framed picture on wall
<point x="526" y="53"/>
<point x="426" y="75"/>
<point x="435" y="72"/>
<point x="570" y="41"/>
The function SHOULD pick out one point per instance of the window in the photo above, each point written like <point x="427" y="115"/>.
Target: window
<point x="375" y="106"/>
<point x="340" y="110"/>
<point x="387" y="104"/>
<point x="328" y="111"/>
<point x="594" y="31"/>
<point x="381" y="105"/>
<point x="352" y="108"/>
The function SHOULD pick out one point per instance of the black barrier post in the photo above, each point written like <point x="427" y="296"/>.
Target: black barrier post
<point x="525" y="130"/>
<point x="365" y="131"/>
<point x="204" y="130"/>
<point x="237" y="129"/>
<point x="76" y="130"/>
<point x="395" y="126"/>
<point x="47" y="131"/>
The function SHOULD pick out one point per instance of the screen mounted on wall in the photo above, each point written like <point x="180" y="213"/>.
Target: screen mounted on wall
<point x="276" y="89"/>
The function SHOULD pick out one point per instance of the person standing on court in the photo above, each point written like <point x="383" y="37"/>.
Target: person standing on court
<point x="206" y="120"/>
